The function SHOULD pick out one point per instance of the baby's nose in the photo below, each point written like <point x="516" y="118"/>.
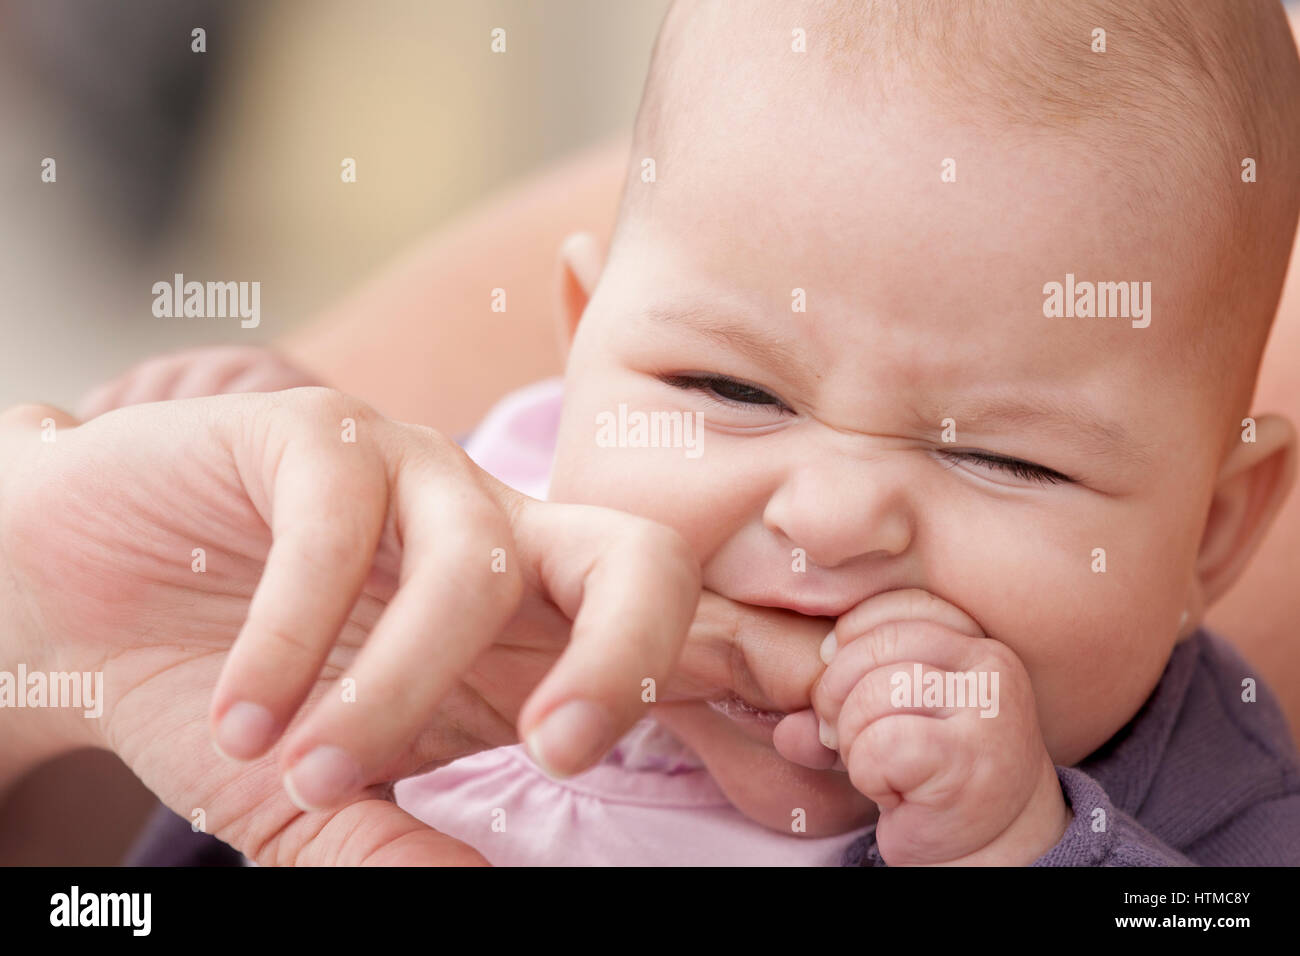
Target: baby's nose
<point x="835" y="516"/>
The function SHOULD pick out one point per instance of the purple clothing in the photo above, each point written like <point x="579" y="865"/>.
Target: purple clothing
<point x="1198" y="777"/>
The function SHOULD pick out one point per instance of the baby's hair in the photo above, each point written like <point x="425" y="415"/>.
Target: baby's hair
<point x="1182" y="95"/>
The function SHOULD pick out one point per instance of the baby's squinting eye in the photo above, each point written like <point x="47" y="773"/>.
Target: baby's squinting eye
<point x="1025" y="470"/>
<point x="738" y="393"/>
<point x="726" y="389"/>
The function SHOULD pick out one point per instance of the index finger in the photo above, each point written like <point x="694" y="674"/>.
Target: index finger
<point x="630" y="586"/>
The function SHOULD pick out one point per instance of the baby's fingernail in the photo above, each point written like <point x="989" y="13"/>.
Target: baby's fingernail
<point x="322" y="778"/>
<point x="245" y="731"/>
<point x="570" y="737"/>
<point x="827" y="734"/>
<point x="828" y="648"/>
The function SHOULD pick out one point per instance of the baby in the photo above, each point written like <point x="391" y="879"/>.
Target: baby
<point x="969" y="303"/>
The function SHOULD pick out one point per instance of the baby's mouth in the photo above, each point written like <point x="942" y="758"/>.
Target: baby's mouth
<point x="736" y="709"/>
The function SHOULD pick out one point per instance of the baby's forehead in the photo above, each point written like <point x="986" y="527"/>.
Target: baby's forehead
<point x="1164" y="148"/>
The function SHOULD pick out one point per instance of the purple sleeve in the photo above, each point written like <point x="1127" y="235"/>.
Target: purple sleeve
<point x="1109" y="838"/>
<point x="1101" y="834"/>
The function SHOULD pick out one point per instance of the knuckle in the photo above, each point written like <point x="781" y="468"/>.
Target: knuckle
<point x="855" y="713"/>
<point x="314" y="396"/>
<point x="434" y="440"/>
<point x="322" y="400"/>
<point x="740" y="677"/>
<point x="282" y="642"/>
<point x="468" y="549"/>
<point x="886" y="739"/>
<point x="482" y="519"/>
<point x="502" y="587"/>
<point x="856" y="705"/>
<point x="328" y="547"/>
<point x="883" y="643"/>
<point x="667" y="549"/>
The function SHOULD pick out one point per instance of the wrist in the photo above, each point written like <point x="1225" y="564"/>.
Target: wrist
<point x="1035" y="830"/>
<point x="43" y="713"/>
<point x="33" y="731"/>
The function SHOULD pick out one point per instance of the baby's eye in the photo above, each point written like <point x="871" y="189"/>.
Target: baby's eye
<point x="1024" y="470"/>
<point x="727" y="389"/>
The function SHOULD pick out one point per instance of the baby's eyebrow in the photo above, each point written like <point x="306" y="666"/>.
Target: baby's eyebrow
<point x="1073" y="421"/>
<point x="764" y="348"/>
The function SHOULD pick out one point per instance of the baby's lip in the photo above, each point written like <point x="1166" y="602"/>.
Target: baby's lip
<point x="829" y="608"/>
<point x="737" y="707"/>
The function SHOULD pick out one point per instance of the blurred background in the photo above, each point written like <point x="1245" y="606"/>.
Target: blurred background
<point x="225" y="165"/>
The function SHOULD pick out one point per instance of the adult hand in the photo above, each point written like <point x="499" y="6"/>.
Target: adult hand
<point x="246" y="543"/>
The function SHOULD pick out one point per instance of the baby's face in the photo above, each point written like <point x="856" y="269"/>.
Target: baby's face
<point x="824" y="429"/>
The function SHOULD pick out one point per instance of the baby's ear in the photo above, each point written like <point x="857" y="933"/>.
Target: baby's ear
<point x="581" y="260"/>
<point x="1253" y="482"/>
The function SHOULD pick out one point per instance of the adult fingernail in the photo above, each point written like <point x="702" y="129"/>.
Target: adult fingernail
<point x="570" y="737"/>
<point x="322" y="778"/>
<point x="828" y="648"/>
<point x="245" y="731"/>
<point x="830" y="740"/>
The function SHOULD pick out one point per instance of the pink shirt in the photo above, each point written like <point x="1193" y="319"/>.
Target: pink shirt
<point x="651" y="802"/>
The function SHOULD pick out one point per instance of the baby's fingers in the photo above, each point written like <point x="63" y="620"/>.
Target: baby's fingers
<point x="892" y="648"/>
<point x="883" y="693"/>
<point x="896" y="756"/>
<point x="797" y="739"/>
<point x="907" y="604"/>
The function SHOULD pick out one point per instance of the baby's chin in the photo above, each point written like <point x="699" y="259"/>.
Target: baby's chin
<point x="736" y="746"/>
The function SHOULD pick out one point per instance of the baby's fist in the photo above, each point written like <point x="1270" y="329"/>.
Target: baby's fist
<point x="937" y="724"/>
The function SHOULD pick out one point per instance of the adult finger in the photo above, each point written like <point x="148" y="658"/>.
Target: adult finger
<point x="210" y="373"/>
<point x="451" y="604"/>
<point x="151" y="381"/>
<point x="374" y="832"/>
<point x="765" y="656"/>
<point x="631" y="587"/>
<point x="327" y="501"/>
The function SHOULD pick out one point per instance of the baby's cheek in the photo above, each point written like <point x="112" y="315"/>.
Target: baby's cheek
<point x="1084" y="699"/>
<point x="1081" y="595"/>
<point x="1093" y="650"/>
